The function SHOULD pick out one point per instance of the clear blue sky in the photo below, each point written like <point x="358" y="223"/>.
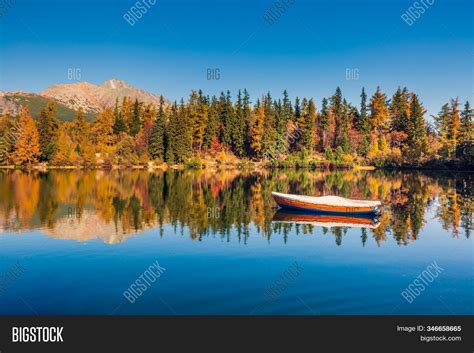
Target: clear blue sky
<point x="307" y="51"/>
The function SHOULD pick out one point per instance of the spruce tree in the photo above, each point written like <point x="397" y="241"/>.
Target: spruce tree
<point x="210" y="133"/>
<point x="156" y="147"/>
<point x="454" y="125"/>
<point x="308" y="130"/>
<point x="466" y="133"/>
<point x="441" y="124"/>
<point x="336" y="108"/>
<point x="136" y="119"/>
<point x="417" y="133"/>
<point x="269" y="135"/>
<point x="48" y="129"/>
<point x="119" y="123"/>
<point x="239" y="127"/>
<point x="323" y="125"/>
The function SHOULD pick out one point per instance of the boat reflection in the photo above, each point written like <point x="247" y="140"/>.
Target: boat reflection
<point x="326" y="220"/>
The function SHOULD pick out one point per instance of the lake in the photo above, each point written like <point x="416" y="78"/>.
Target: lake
<point x="72" y="242"/>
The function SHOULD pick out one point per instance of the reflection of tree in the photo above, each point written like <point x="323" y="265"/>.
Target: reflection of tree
<point x="223" y="203"/>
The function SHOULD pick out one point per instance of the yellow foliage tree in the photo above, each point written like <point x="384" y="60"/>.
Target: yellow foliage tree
<point x="379" y="112"/>
<point x="258" y="130"/>
<point x="27" y="147"/>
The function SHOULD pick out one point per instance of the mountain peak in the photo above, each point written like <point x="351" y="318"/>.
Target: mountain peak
<point x="114" y="84"/>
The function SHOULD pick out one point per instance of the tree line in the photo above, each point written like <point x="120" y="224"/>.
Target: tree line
<point x="379" y="131"/>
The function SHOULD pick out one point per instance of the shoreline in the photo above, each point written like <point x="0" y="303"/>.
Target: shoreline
<point x="238" y="166"/>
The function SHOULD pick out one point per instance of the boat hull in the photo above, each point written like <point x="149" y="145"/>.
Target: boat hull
<point x="326" y="220"/>
<point x="298" y="205"/>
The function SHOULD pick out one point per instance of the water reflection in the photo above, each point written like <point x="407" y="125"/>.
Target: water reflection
<point x="113" y="206"/>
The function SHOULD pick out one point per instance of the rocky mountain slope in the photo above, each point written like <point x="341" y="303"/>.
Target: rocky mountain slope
<point x="72" y="96"/>
<point x="93" y="98"/>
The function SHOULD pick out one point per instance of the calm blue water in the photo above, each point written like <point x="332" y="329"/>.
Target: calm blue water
<point x="224" y="275"/>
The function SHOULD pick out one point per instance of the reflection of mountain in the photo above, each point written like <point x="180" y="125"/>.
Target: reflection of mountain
<point x="89" y="226"/>
<point x="111" y="206"/>
<point x="325" y="220"/>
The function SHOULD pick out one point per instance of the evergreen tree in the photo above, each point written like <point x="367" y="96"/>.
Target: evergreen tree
<point x="441" y="124"/>
<point x="247" y="121"/>
<point x="136" y="123"/>
<point x="336" y="109"/>
<point x="454" y="124"/>
<point x="269" y="136"/>
<point x="363" y="125"/>
<point x="345" y="126"/>
<point x="238" y="135"/>
<point x="48" y="129"/>
<point x="157" y="137"/>
<point x="308" y="129"/>
<point x="417" y="135"/>
<point x="210" y="133"/>
<point x="466" y="133"/>
<point x="323" y="125"/>
<point x="399" y="110"/>
<point x="119" y="123"/>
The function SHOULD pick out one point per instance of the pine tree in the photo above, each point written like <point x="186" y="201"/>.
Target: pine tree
<point x="27" y="148"/>
<point x="48" y="129"/>
<point x="308" y="129"/>
<point x="119" y="123"/>
<point x="417" y="134"/>
<point x="211" y="130"/>
<point x="441" y="124"/>
<point x="466" y="132"/>
<point x="323" y="125"/>
<point x="136" y="119"/>
<point x="336" y="108"/>
<point x="363" y="125"/>
<point x="454" y="125"/>
<point x="172" y="137"/>
<point x="345" y="126"/>
<point x="157" y="137"/>
<point x="247" y="121"/>
<point x="399" y="110"/>
<point x="238" y="135"/>
<point x="269" y="136"/>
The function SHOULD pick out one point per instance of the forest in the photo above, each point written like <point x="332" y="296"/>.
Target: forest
<point x="225" y="130"/>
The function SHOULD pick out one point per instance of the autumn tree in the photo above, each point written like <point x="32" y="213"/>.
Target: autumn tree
<point x="102" y="130"/>
<point x="27" y="148"/>
<point x="258" y="129"/>
<point x="379" y="113"/>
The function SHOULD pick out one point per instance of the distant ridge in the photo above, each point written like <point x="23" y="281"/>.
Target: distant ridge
<point x="70" y="97"/>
